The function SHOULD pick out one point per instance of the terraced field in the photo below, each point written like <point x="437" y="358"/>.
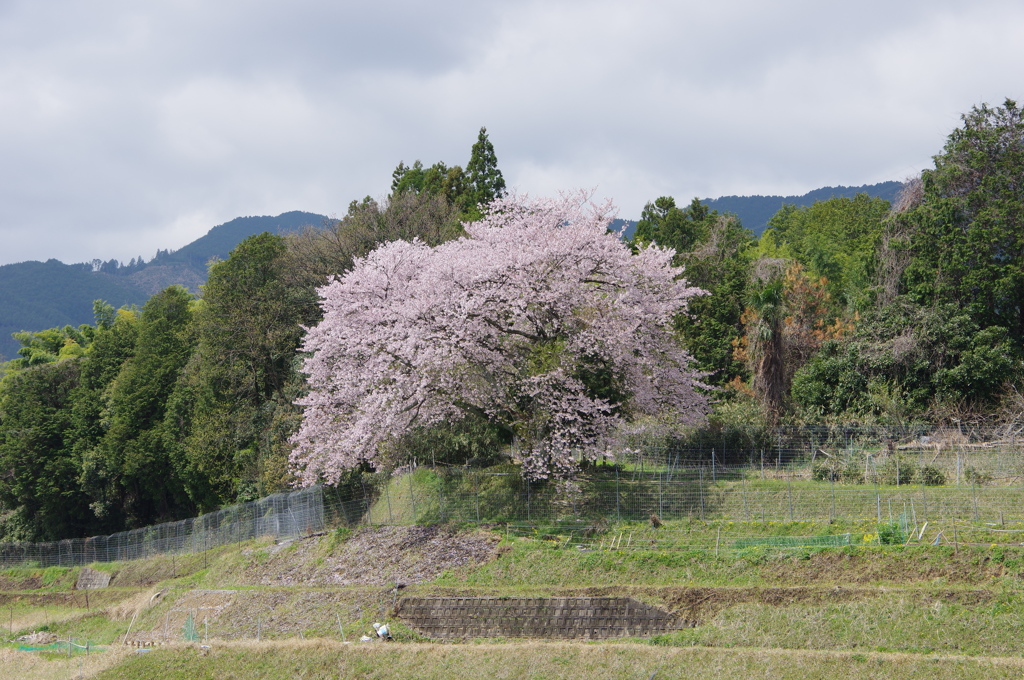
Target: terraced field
<point x="761" y="599"/>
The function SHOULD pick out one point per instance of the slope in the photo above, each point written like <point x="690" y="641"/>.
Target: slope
<point x="39" y="295"/>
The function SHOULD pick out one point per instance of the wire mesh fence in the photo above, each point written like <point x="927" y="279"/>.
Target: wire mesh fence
<point x="433" y="495"/>
<point x="282" y="515"/>
<point x="816" y="475"/>
<point x="993" y="452"/>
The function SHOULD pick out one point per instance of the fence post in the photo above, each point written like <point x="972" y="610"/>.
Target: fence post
<point x="618" y="508"/>
<point x="778" y="460"/>
<point x="743" y="486"/>
<point x="661" y="497"/>
<point x="833" y="515"/>
<point x="412" y="497"/>
<point x="528" y="518"/>
<point x="789" y="487"/>
<point x="701" y="491"/>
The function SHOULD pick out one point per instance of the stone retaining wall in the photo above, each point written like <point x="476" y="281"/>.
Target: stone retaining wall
<point x="591" y="618"/>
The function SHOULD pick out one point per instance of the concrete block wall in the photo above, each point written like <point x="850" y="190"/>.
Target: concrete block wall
<point x="91" y="579"/>
<point x="590" y="618"/>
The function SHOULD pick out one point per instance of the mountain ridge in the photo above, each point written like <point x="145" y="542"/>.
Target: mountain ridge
<point x="39" y="295"/>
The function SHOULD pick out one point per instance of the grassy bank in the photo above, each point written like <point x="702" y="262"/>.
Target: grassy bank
<point x="321" y="659"/>
<point x="757" y="594"/>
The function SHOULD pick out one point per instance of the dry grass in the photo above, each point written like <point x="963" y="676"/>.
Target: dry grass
<point x="134" y="605"/>
<point x="324" y="659"/>
<point x="33" y="666"/>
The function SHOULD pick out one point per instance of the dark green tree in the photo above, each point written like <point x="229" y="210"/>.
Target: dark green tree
<point x="479" y="184"/>
<point x="437" y="180"/>
<point x="39" y="479"/>
<point x="681" y="229"/>
<point x="226" y="420"/>
<point x="713" y="248"/>
<point x="112" y="347"/>
<point x="484" y="181"/>
<point x="966" y="231"/>
<point x="908" y="361"/>
<point x="129" y="473"/>
<point x="836" y="239"/>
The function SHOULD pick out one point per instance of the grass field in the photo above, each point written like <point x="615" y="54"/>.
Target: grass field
<point x="531" y="660"/>
<point x="770" y="598"/>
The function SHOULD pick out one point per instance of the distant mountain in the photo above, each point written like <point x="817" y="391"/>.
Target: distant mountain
<point x="755" y="211"/>
<point x="625" y="227"/>
<point x="39" y="295"/>
<point x="219" y="241"/>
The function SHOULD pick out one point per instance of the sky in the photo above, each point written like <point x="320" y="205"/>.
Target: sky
<point x="127" y="127"/>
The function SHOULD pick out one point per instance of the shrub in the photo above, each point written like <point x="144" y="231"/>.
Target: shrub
<point x="896" y="471"/>
<point x="976" y="476"/>
<point x="827" y="470"/>
<point x="853" y="470"/>
<point x="891" y="533"/>
<point x="929" y="475"/>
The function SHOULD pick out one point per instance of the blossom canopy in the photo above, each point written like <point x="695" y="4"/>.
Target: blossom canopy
<point x="539" y="319"/>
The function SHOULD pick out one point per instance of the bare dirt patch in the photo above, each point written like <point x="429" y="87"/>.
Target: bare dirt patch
<point x="380" y="556"/>
<point x="21" y="582"/>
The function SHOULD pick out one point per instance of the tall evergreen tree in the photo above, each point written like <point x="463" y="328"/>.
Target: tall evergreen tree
<point x="40" y="474"/>
<point x="485" y="180"/>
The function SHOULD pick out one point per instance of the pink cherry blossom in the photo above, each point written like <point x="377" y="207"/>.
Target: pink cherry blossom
<point x="505" y="322"/>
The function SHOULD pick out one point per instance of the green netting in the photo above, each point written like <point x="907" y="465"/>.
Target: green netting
<point x="61" y="646"/>
<point x="188" y="631"/>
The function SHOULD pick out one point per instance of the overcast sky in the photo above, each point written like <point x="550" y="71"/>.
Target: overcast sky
<point x="130" y="126"/>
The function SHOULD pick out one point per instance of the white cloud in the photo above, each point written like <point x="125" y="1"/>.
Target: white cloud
<point x="127" y="127"/>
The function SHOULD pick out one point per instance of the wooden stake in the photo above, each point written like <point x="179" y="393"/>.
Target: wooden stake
<point x="130" y="628"/>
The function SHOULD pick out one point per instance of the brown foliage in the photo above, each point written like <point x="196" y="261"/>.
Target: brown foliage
<point x="775" y="349"/>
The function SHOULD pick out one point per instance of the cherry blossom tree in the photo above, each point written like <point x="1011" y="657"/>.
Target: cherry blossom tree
<point x="539" y="320"/>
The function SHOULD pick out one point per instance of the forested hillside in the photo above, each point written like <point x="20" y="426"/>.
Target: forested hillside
<point x="756" y="211"/>
<point x="851" y="310"/>
<point x="40" y="295"/>
<point x="37" y="295"/>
